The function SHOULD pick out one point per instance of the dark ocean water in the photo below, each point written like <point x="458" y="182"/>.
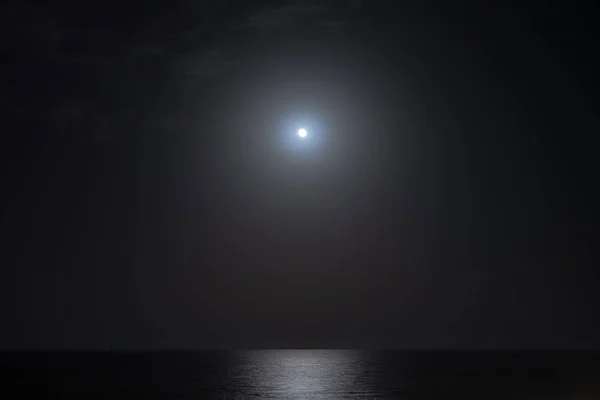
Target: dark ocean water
<point x="300" y="374"/>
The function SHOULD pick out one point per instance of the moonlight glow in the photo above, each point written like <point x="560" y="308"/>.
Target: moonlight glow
<point x="302" y="132"/>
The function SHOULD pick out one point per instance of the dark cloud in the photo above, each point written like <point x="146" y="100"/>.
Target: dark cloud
<point x="80" y="50"/>
<point x="26" y="28"/>
<point x="76" y="53"/>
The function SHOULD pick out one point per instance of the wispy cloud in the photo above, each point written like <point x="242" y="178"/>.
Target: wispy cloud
<point x="283" y="16"/>
<point x="223" y="55"/>
<point x="206" y="63"/>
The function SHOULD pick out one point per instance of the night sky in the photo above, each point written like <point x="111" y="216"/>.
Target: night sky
<point x="155" y="193"/>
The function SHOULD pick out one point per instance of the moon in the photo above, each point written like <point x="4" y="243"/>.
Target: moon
<point x="302" y="132"/>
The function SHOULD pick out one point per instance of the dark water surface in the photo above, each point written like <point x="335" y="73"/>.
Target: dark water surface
<point x="300" y="374"/>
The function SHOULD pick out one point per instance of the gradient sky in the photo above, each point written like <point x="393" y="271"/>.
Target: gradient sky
<point x="155" y="195"/>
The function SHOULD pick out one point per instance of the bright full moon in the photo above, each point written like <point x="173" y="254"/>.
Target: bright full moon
<point x="302" y="133"/>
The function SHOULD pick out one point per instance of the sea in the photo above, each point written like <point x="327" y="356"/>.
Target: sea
<point x="300" y="374"/>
